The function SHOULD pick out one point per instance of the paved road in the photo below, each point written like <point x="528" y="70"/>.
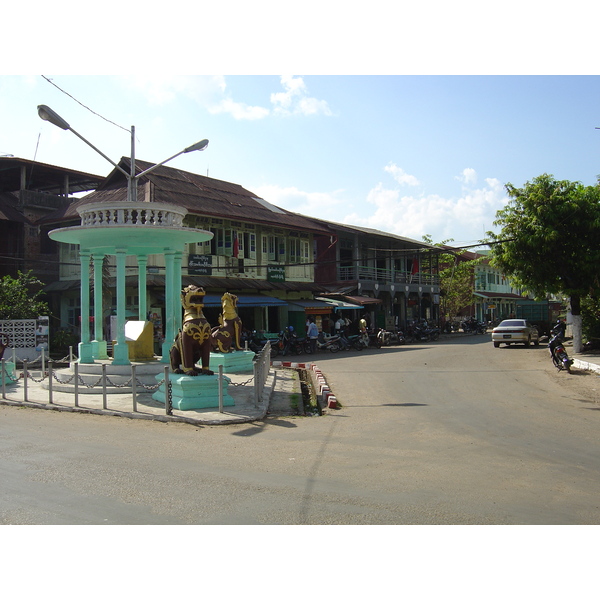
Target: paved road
<point x="449" y="433"/>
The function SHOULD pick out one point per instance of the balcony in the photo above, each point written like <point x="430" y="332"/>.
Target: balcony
<point x="387" y="276"/>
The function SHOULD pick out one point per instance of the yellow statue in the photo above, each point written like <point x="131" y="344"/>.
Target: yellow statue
<point x="227" y="336"/>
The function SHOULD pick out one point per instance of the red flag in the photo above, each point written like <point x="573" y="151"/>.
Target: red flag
<point x="415" y="266"/>
<point x="236" y="245"/>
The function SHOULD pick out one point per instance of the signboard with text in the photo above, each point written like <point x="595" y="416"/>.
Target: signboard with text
<point x="275" y="273"/>
<point x="200" y="264"/>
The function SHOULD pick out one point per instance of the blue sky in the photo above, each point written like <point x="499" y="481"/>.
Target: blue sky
<point x="425" y="151"/>
<point x="412" y="155"/>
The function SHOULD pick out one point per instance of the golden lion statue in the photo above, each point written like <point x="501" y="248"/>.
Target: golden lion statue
<point x="227" y="336"/>
<point x="193" y="342"/>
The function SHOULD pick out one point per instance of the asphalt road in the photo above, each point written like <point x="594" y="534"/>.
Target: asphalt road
<point x="455" y="432"/>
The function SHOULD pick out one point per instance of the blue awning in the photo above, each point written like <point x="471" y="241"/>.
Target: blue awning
<point x="248" y="300"/>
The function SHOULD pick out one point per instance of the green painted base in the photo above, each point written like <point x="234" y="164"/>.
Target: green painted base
<point x="99" y="350"/>
<point x="85" y="353"/>
<point x="189" y="393"/>
<point x="9" y="374"/>
<point x="240" y="361"/>
<point x="121" y="354"/>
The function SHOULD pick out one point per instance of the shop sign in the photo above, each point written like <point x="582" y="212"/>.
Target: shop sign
<point x="200" y="264"/>
<point x="275" y="273"/>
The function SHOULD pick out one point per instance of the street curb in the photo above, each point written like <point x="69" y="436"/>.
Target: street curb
<point x="325" y="395"/>
<point x="586" y="366"/>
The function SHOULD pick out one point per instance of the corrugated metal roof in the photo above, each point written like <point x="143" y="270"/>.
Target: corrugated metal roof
<point x="200" y="195"/>
<point x="42" y="177"/>
<point x="8" y="208"/>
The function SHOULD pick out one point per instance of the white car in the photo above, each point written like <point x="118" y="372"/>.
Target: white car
<point x="515" y="331"/>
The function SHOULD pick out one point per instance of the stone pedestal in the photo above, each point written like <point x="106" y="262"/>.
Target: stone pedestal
<point x="189" y="393"/>
<point x="240" y="361"/>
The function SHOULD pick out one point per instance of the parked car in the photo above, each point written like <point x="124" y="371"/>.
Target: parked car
<point x="515" y="331"/>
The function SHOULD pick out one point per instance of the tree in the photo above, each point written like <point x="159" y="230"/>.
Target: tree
<point x="456" y="278"/>
<point x="19" y="298"/>
<point x="550" y="241"/>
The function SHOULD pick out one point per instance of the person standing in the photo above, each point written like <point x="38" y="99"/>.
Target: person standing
<point x="312" y="334"/>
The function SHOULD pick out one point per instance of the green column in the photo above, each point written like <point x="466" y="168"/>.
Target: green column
<point x="120" y="349"/>
<point x="177" y="292"/>
<point x="169" y="304"/>
<point x="98" y="343"/>
<point x="85" y="347"/>
<point x="142" y="262"/>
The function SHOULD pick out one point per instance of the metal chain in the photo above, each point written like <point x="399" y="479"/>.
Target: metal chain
<point x="84" y="384"/>
<point x="242" y="383"/>
<point x="150" y="388"/>
<point x="119" y="385"/>
<point x="169" y="397"/>
<point x="11" y="378"/>
<point x="29" y="376"/>
<point x="54" y="376"/>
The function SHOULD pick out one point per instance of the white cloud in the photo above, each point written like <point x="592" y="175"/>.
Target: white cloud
<point x="295" y="99"/>
<point x="239" y="110"/>
<point x="468" y="177"/>
<point x="322" y="205"/>
<point x="462" y="219"/>
<point x="211" y="93"/>
<point x="400" y="175"/>
<point x="163" y="89"/>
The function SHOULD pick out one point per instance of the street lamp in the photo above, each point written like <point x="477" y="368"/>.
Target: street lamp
<point x="47" y="114"/>
<point x="120" y="350"/>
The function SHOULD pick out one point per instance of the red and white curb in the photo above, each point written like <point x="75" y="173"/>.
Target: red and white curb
<point x="320" y="384"/>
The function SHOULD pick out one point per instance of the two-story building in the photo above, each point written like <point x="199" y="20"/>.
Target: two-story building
<point x="392" y="277"/>
<point x="283" y="266"/>
<point x="29" y="192"/>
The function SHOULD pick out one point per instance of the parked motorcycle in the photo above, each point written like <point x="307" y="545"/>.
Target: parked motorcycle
<point x="256" y="343"/>
<point x="559" y="356"/>
<point x="292" y="344"/>
<point x="356" y="342"/>
<point x="331" y="343"/>
<point x="421" y="332"/>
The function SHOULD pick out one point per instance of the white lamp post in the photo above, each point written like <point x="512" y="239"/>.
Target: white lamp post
<point x="120" y="352"/>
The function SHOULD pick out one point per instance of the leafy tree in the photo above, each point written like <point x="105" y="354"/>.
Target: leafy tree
<point x="550" y="240"/>
<point x="456" y="278"/>
<point x="19" y="298"/>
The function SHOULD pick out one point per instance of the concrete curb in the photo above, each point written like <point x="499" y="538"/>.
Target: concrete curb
<point x="324" y="394"/>
<point x="586" y="366"/>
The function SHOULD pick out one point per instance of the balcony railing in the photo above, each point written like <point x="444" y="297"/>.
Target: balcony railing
<point x="387" y="276"/>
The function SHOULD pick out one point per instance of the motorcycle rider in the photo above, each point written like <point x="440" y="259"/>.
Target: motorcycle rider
<point x="340" y="331"/>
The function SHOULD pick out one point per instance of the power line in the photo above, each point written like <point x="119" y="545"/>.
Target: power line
<point x="84" y="106"/>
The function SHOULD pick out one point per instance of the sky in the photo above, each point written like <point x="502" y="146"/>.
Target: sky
<point x="415" y="133"/>
<point x="412" y="155"/>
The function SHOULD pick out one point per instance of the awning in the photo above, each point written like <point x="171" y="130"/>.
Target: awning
<point x="246" y="301"/>
<point x="339" y="304"/>
<point x="363" y="300"/>
<point x="498" y="295"/>
<point x="310" y="307"/>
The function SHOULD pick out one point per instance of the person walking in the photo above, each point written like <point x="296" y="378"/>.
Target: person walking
<point x="312" y="334"/>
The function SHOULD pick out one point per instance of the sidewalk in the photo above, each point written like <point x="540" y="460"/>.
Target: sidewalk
<point x="281" y="383"/>
<point x="589" y="361"/>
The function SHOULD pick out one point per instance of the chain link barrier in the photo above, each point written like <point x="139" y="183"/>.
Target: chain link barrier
<point x="257" y="379"/>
